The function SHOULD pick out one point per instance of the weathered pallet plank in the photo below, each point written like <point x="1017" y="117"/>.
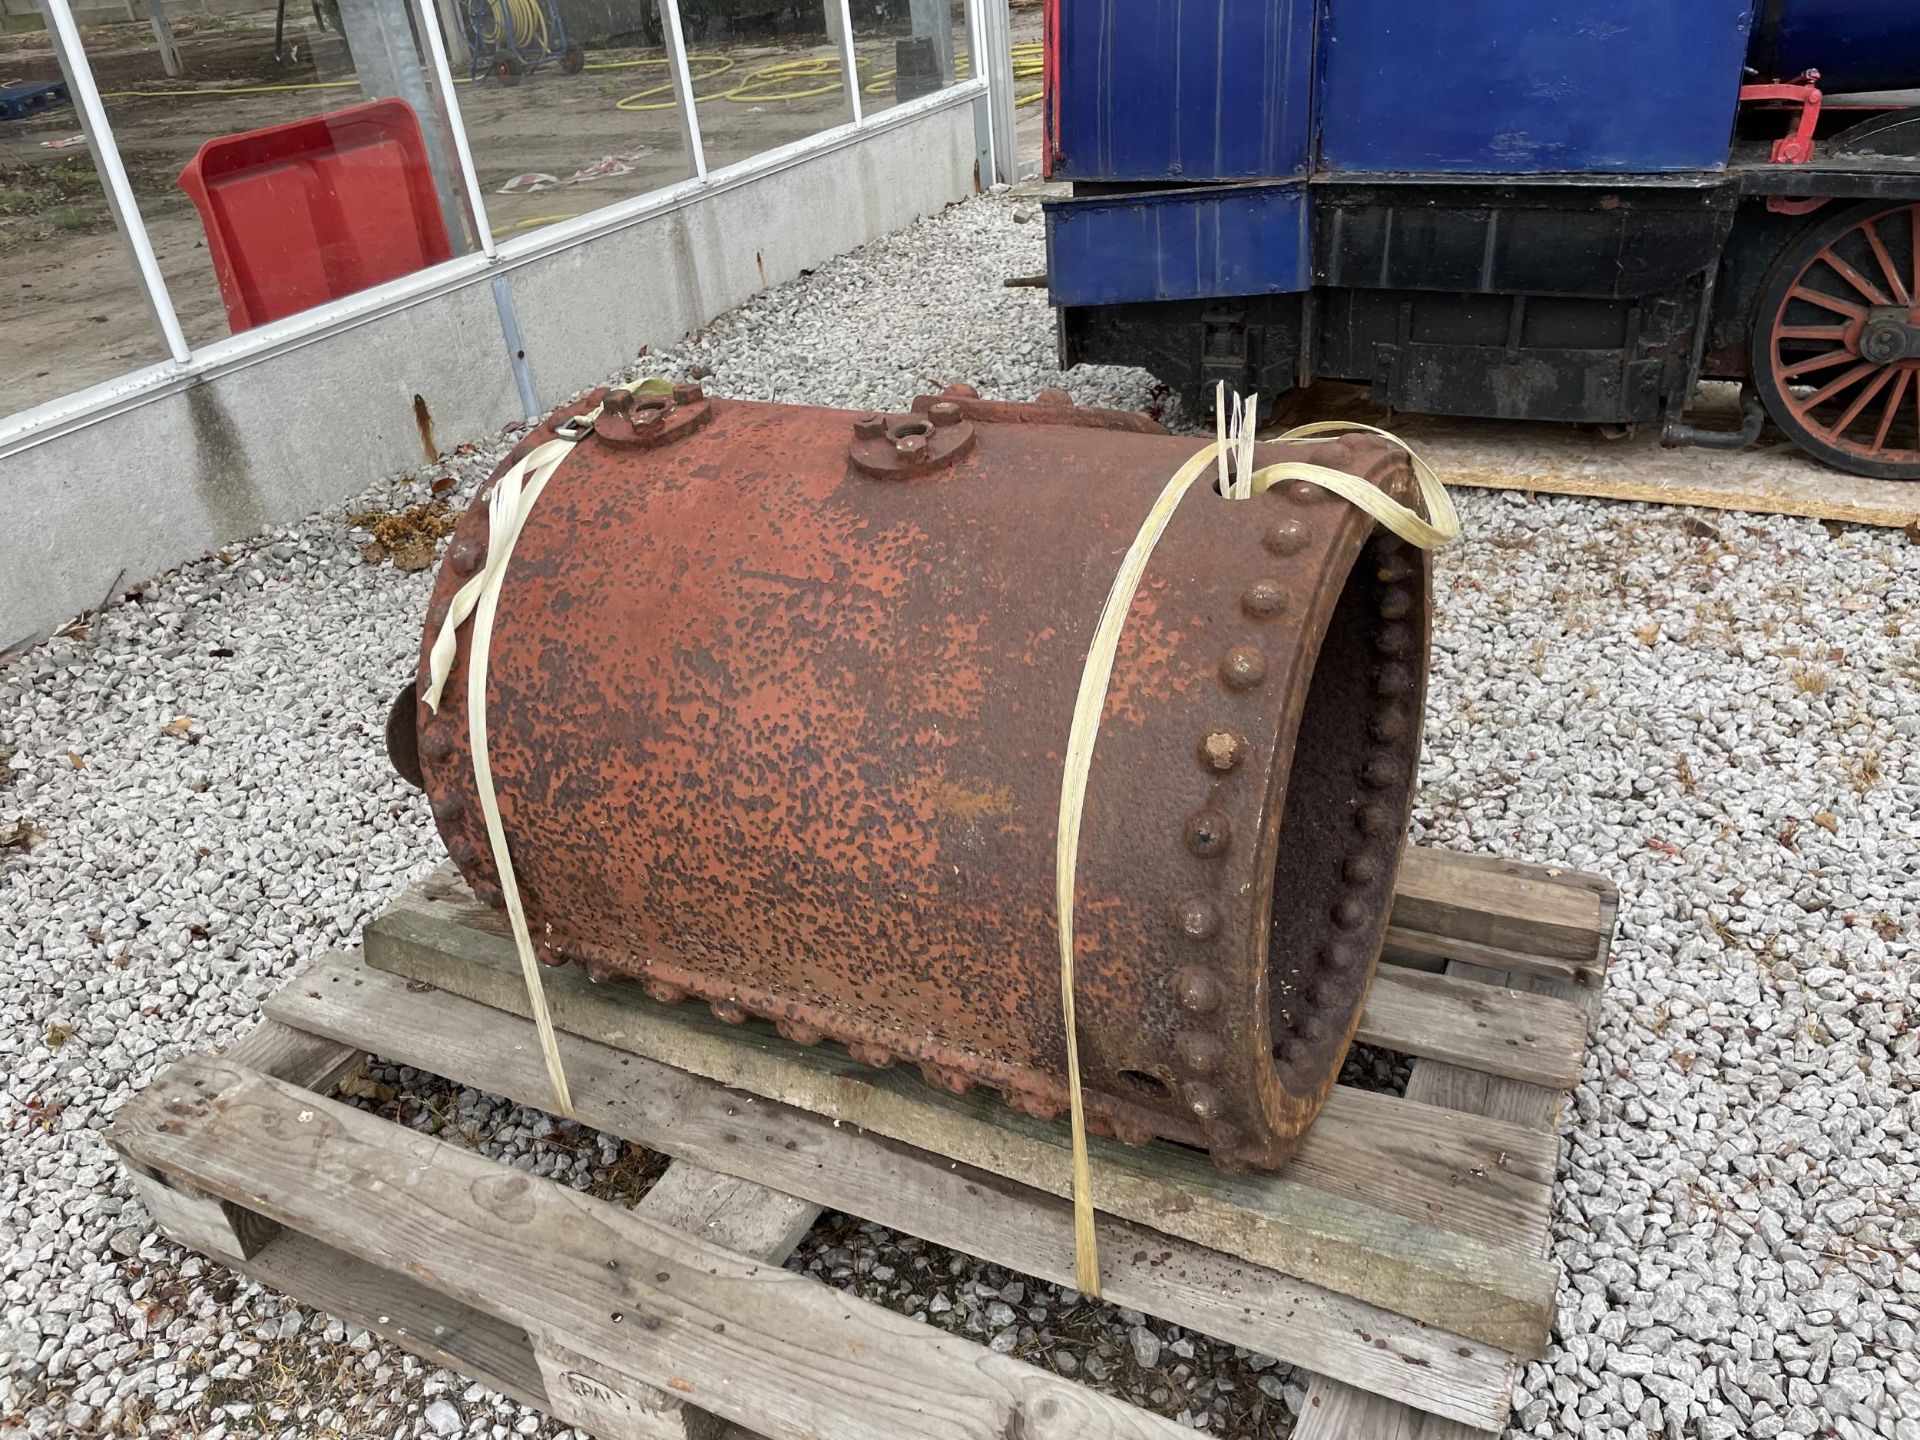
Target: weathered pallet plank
<point x="735" y="1214"/>
<point x="909" y="1189"/>
<point x="754" y="1343"/>
<point x="1535" y="912"/>
<point x="1337" y="1411"/>
<point x="205" y="1222"/>
<point x="1379" y="1203"/>
<point x="1508" y="1032"/>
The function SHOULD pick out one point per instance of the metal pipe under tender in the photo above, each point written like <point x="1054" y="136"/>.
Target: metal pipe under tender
<point x="778" y="699"/>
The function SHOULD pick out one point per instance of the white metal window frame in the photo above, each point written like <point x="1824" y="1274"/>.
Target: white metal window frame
<point x="187" y="364"/>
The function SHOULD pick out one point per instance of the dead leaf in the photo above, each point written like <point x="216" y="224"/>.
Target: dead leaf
<point x="1785" y="837"/>
<point x="1701" y="529"/>
<point x="442" y="485"/>
<point x="373" y="552"/>
<point x="1648" y="633"/>
<point x="1683" y="768"/>
<point x="179" y="725"/>
<point x="23" y="837"/>
<point x="57" y="1035"/>
<point x="1856" y="603"/>
<point x="1912" y="532"/>
<point x="361" y="1086"/>
<point x="74" y="759"/>
<point x="1828" y="821"/>
<point x="1665" y="848"/>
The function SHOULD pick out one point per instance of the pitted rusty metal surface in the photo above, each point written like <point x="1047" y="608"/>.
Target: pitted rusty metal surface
<point x="778" y="701"/>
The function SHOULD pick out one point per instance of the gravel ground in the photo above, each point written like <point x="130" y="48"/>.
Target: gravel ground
<point x="1717" y="711"/>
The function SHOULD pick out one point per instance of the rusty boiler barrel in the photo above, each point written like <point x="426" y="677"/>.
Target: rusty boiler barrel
<point x="777" y="703"/>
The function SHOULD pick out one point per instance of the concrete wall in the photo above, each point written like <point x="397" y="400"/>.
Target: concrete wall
<point x="264" y="441"/>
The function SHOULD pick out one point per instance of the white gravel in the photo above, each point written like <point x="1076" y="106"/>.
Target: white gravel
<point x="1719" y="712"/>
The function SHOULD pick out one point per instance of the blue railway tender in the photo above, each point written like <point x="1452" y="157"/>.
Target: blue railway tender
<point x="1543" y="209"/>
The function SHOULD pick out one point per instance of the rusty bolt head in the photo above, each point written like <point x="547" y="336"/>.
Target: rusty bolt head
<point x="1304" y="492"/>
<point x="1288" y="537"/>
<point x="962" y="389"/>
<point x="1350" y="913"/>
<point x="463" y="851"/>
<point x="1381" y="773"/>
<point x="1390" y="726"/>
<point x="1263" y="600"/>
<point x="942" y="1077"/>
<point x="1129" y="1131"/>
<point x="437" y="741"/>
<point x="1395" y="639"/>
<point x="1197" y="990"/>
<point x="799" y="1032"/>
<point x="466" y="555"/>
<point x="688" y="394"/>
<point x="1207" y="832"/>
<point x="1374" y="820"/>
<point x="1029" y="1102"/>
<point x="911" y="448"/>
<point x="729" y="1012"/>
<point x="449" y="807"/>
<point x="1363" y="868"/>
<point x="1393" y="682"/>
<point x="1221" y="751"/>
<point x="1198" y="1052"/>
<point x="1053" y="395"/>
<point x="878" y="1056"/>
<point x="1395" y="603"/>
<point x="663" y="992"/>
<point x="870" y="427"/>
<point x="1204" y="1102"/>
<point x="944" y="412"/>
<point x="1243" y="667"/>
<point x="1197" y="917"/>
<point x="489" y="894"/>
<point x="437" y="613"/>
<point x="552" y="958"/>
<point x="1312" y="1028"/>
<point x="1392" y="567"/>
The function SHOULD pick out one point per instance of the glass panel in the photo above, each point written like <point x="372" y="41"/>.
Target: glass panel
<point x="569" y="105"/>
<point x="1029" y="66"/>
<point x="71" y="306"/>
<point x="300" y="154"/>
<point x="768" y="74"/>
<point x="908" y="48"/>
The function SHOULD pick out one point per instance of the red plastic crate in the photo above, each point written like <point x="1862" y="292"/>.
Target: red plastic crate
<point x="315" y="209"/>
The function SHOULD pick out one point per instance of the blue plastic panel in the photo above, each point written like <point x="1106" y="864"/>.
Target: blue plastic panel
<point x="1182" y="89"/>
<point x="1530" y="86"/>
<point x="1178" y="245"/>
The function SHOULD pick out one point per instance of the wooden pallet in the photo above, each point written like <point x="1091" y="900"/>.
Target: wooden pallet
<point x="1401" y="1257"/>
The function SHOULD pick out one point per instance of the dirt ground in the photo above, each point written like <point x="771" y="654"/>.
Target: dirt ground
<point x="70" y="307"/>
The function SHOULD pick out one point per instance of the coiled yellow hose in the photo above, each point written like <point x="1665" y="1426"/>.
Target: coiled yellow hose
<point x="770" y="84"/>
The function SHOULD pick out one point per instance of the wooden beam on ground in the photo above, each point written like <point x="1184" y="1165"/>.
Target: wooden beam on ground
<point x="752" y="1342"/>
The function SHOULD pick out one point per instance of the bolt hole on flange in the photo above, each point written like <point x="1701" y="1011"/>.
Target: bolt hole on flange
<point x="1836" y="340"/>
<point x="1150" y="1087"/>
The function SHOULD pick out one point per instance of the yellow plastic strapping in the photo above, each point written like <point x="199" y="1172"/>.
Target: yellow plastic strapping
<point x="1098" y="673"/>
<point x="512" y="500"/>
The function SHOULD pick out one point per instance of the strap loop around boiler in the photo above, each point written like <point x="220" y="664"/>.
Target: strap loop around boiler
<point x="1440" y="525"/>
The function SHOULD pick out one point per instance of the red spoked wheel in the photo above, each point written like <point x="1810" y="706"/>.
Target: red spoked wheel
<point x="1836" y="341"/>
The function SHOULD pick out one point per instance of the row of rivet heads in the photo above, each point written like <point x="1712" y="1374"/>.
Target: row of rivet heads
<point x="1207" y="832"/>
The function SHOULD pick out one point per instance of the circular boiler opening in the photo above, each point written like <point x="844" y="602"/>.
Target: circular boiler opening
<point x="1348" y="792"/>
